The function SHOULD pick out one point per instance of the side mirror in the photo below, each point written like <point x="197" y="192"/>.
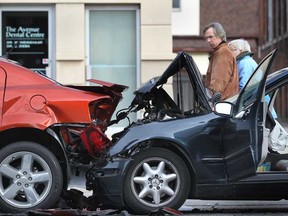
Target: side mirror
<point x="223" y="108"/>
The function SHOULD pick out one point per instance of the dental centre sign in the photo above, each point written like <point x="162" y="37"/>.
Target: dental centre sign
<point x="25" y="38"/>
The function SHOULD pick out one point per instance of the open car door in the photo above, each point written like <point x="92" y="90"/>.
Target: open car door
<point x="245" y="138"/>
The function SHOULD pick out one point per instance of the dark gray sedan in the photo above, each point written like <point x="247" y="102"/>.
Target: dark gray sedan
<point x="188" y="144"/>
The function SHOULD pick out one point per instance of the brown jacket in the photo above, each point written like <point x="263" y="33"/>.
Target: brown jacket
<point x="222" y="73"/>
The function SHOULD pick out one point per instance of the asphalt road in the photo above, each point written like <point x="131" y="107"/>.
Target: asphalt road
<point x="217" y="207"/>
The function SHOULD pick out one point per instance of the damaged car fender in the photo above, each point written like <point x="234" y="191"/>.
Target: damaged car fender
<point x="168" y="132"/>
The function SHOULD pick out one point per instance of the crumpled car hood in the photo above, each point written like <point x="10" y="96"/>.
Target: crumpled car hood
<point x="182" y="60"/>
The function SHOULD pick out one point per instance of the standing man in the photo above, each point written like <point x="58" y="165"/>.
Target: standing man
<point x="222" y="74"/>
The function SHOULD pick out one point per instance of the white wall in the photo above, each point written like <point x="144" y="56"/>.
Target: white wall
<point x="186" y="21"/>
<point x="202" y="61"/>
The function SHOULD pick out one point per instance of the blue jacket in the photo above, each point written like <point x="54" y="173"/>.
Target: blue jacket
<point x="246" y="66"/>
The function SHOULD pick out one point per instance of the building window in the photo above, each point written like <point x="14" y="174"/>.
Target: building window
<point x="176" y="4"/>
<point x="276" y="20"/>
<point x="284" y="13"/>
<point x="26" y="36"/>
<point x="113" y="48"/>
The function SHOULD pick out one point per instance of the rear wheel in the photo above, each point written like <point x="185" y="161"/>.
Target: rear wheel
<point x="156" y="178"/>
<point x="30" y="177"/>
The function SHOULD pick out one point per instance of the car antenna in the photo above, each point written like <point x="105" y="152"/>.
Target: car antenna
<point x="13" y="47"/>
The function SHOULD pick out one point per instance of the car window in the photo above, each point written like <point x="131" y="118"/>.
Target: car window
<point x="249" y="93"/>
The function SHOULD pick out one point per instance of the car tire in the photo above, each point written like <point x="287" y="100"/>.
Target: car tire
<point x="30" y="177"/>
<point x="156" y="178"/>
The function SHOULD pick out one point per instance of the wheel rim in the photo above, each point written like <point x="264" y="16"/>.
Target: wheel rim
<point x="155" y="182"/>
<point x="26" y="179"/>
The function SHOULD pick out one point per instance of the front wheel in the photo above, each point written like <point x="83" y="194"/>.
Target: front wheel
<point x="30" y="177"/>
<point x="156" y="178"/>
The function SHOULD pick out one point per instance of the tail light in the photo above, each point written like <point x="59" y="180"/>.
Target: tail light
<point x="94" y="140"/>
<point x="101" y="112"/>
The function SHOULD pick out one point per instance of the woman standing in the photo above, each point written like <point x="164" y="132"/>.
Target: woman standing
<point x="245" y="63"/>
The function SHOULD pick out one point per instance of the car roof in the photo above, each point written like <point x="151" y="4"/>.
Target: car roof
<point x="277" y="79"/>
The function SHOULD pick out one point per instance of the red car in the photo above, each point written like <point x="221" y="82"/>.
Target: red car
<point x="45" y="129"/>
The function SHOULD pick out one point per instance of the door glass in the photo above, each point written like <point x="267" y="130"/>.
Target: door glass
<point x="250" y="92"/>
<point x="112" y="45"/>
<point x="25" y="38"/>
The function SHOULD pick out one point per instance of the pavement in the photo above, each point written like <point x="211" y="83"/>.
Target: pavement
<point x="222" y="205"/>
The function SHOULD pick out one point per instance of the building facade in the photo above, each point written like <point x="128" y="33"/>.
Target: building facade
<point x="131" y="41"/>
<point x="120" y="41"/>
<point x="262" y="22"/>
